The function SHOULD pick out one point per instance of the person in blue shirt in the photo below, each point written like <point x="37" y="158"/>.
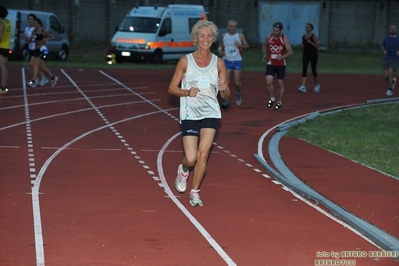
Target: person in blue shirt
<point x="390" y="47"/>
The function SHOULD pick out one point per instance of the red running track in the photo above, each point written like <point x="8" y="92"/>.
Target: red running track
<point x="88" y="169"/>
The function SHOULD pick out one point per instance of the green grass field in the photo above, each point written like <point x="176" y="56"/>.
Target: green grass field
<point x="373" y="139"/>
<point x="368" y="135"/>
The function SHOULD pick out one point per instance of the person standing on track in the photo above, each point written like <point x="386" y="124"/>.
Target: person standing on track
<point x="310" y="45"/>
<point x="230" y="48"/>
<point x="31" y="46"/>
<point x="5" y="45"/>
<point x="202" y="76"/>
<point x="40" y="53"/>
<point x="276" y="48"/>
<point x="390" y="48"/>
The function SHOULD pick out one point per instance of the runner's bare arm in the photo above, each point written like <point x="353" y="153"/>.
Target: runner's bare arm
<point x="174" y="87"/>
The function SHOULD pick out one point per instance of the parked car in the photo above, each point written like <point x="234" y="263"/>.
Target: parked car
<point x="58" y="48"/>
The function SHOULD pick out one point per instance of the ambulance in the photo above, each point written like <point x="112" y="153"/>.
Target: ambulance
<point x="155" y="34"/>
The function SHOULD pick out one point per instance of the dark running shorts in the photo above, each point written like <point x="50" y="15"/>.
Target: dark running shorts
<point x="193" y="127"/>
<point x="394" y="64"/>
<point x="39" y="54"/>
<point x="5" y="52"/>
<point x="272" y="70"/>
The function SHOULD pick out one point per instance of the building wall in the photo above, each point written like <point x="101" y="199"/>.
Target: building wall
<point x="342" y="23"/>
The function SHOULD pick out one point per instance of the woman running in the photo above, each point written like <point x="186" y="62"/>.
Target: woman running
<point x="40" y="53"/>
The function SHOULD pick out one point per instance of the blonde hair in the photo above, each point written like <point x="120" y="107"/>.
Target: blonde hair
<point x="204" y="23"/>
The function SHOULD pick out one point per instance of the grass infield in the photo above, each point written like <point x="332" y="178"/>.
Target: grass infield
<point x="368" y="135"/>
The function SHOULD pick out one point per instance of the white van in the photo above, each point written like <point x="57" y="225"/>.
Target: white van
<point x="155" y="33"/>
<point x="58" y="48"/>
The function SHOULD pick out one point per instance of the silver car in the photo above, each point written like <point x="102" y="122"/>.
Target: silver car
<point x="58" y="48"/>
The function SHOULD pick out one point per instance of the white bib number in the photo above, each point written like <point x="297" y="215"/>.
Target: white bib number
<point x="232" y="52"/>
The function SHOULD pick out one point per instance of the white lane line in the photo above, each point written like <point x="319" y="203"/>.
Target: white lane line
<point x="66" y="113"/>
<point x="35" y="199"/>
<point x="40" y="175"/>
<point x="192" y="219"/>
<point x="35" y="189"/>
<point x="66" y="100"/>
<point x="164" y="184"/>
<point x="40" y="260"/>
<point x="82" y="149"/>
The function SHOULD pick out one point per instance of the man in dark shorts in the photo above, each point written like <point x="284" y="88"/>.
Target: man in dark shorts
<point x="276" y="48"/>
<point x="390" y="48"/>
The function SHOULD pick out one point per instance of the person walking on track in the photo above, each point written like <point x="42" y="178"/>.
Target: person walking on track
<point x="310" y="46"/>
<point x="40" y="53"/>
<point x="276" y="48"/>
<point x="202" y="76"/>
<point x="390" y="48"/>
<point x="230" y="47"/>
<point x="32" y="45"/>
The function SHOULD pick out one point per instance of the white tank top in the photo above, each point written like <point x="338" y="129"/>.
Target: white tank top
<point x="205" y="104"/>
<point x="231" y="51"/>
<point x="28" y="33"/>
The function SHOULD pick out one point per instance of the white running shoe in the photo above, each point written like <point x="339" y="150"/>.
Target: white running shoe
<point x="389" y="93"/>
<point x="317" y="88"/>
<point x="302" y="89"/>
<point x="239" y="99"/>
<point x="195" y="199"/>
<point x="181" y="179"/>
<point x="54" y="81"/>
<point x="43" y="81"/>
<point x="393" y="83"/>
<point x="33" y="84"/>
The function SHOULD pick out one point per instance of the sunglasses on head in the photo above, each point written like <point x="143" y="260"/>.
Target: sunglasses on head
<point x="277" y="25"/>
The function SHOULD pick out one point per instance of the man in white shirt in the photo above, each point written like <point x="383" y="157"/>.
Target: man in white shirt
<point x="230" y="47"/>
